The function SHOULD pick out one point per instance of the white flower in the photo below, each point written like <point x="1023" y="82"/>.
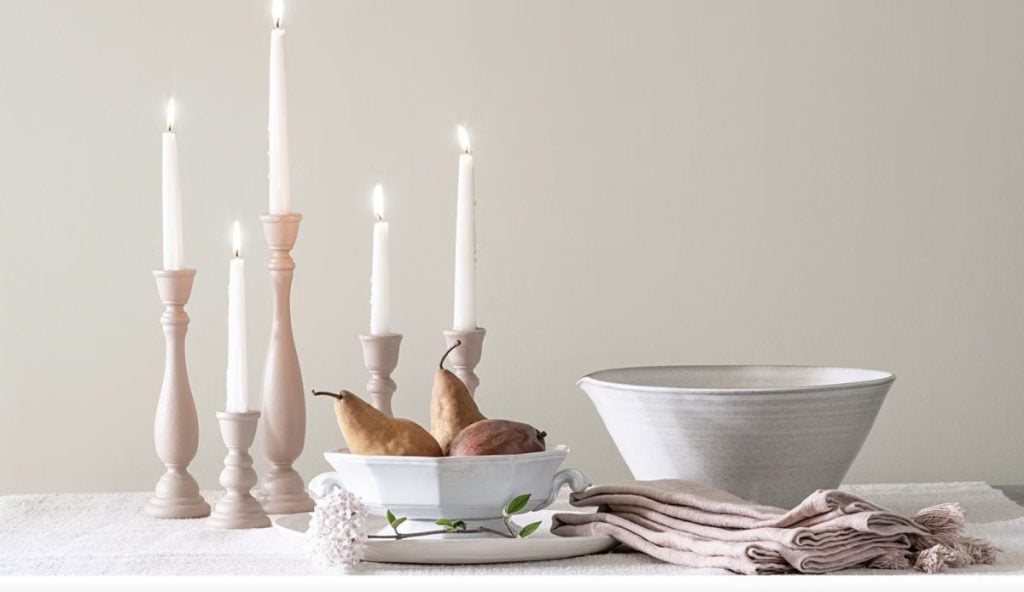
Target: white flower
<point x="337" y="531"/>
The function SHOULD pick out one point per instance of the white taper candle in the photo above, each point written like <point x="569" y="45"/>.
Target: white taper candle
<point x="277" y="125"/>
<point x="380" y="270"/>
<point x="238" y="366"/>
<point x="465" y="241"/>
<point x="171" y="196"/>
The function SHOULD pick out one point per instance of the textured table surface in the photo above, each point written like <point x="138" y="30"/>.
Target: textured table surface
<point x="108" y="534"/>
<point x="1014" y="492"/>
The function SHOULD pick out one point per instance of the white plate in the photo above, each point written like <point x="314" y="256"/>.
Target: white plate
<point x="539" y="546"/>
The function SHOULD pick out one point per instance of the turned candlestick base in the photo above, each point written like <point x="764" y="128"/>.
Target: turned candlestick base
<point x="380" y="352"/>
<point x="284" y="407"/>
<point x="466" y="357"/>
<point x="238" y="508"/>
<point x="176" y="428"/>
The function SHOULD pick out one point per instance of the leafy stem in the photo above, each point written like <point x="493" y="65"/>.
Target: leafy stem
<point x="478" y="530"/>
<point x="394" y="523"/>
<point x="516" y="505"/>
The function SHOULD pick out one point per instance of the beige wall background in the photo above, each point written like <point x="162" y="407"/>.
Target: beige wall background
<point x="658" y="183"/>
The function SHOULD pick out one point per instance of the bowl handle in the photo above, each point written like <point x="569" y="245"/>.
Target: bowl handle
<point x="324" y="483"/>
<point x="576" y="480"/>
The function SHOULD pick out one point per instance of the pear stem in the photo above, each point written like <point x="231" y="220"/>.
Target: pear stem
<point x="445" y="356"/>
<point x="327" y="394"/>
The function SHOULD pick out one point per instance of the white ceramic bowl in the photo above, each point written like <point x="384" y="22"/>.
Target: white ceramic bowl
<point x="772" y="434"/>
<point x="454" y="487"/>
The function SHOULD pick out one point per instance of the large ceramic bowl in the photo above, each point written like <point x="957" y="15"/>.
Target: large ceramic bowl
<point x="771" y="434"/>
<point x="454" y="487"/>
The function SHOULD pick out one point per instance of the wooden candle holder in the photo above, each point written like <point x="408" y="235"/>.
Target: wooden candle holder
<point x="176" y="429"/>
<point x="238" y="508"/>
<point x="466" y="357"/>
<point x="380" y="352"/>
<point x="284" y="407"/>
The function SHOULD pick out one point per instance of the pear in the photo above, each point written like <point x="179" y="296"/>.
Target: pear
<point x="368" y="431"/>
<point x="497" y="436"/>
<point x="452" y="408"/>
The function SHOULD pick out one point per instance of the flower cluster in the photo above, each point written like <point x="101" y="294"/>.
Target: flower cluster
<point x="337" y="532"/>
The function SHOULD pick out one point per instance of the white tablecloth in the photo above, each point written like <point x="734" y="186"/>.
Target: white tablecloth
<point x="107" y="533"/>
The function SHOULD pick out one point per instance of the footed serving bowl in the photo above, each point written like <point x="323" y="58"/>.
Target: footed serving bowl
<point x="771" y="434"/>
<point x="455" y="487"/>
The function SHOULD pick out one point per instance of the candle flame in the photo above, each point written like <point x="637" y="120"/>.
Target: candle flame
<point x="170" y="115"/>
<point x="278" y="10"/>
<point x="464" y="139"/>
<point x="236" y="239"/>
<point x="378" y="201"/>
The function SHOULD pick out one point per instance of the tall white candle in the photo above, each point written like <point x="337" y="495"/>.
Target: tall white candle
<point x="277" y="126"/>
<point x="238" y="366"/>
<point x="171" y="196"/>
<point x="465" y="241"/>
<point x="380" y="270"/>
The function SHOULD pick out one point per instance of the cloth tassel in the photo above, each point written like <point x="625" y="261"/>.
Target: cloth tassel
<point x="941" y="518"/>
<point x="944" y="545"/>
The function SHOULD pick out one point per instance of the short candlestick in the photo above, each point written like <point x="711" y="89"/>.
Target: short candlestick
<point x="176" y="429"/>
<point x="238" y="508"/>
<point x="284" y="408"/>
<point x="466" y="357"/>
<point x="380" y="352"/>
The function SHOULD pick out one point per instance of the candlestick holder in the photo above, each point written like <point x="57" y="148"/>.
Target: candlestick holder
<point x="380" y="352"/>
<point x="238" y="508"/>
<point x="176" y="428"/>
<point x="466" y="357"/>
<point x="284" y="407"/>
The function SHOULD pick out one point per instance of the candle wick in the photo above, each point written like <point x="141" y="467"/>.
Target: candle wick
<point x="277" y="23"/>
<point x="237" y="254"/>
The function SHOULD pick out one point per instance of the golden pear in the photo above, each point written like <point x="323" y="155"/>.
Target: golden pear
<point x="368" y="431"/>
<point x="452" y="408"/>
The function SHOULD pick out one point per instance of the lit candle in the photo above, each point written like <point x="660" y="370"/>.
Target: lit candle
<point x="277" y="126"/>
<point x="238" y="367"/>
<point x="465" y="241"/>
<point x="380" y="270"/>
<point x="171" y="196"/>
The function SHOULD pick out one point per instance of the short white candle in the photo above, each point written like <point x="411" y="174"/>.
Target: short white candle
<point x="238" y="367"/>
<point x="465" y="241"/>
<point x="380" y="270"/>
<point x="277" y="126"/>
<point x="171" y="196"/>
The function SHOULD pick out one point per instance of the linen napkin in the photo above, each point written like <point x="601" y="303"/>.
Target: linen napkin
<point x="695" y="525"/>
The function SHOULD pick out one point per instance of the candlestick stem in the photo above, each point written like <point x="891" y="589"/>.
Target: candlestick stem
<point x="176" y="428"/>
<point x="238" y="508"/>
<point x="284" y="407"/>
<point x="466" y="357"/>
<point x="380" y="352"/>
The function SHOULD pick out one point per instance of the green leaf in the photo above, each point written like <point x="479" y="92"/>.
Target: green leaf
<point x="528" y="529"/>
<point x="443" y="522"/>
<point x="517" y="504"/>
<point x="459" y="525"/>
<point x="397" y="523"/>
<point x="391" y="518"/>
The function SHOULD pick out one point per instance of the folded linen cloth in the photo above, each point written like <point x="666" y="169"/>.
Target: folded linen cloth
<point x="699" y="526"/>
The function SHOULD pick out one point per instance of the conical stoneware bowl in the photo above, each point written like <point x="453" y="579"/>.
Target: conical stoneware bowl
<point x="771" y="434"/>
